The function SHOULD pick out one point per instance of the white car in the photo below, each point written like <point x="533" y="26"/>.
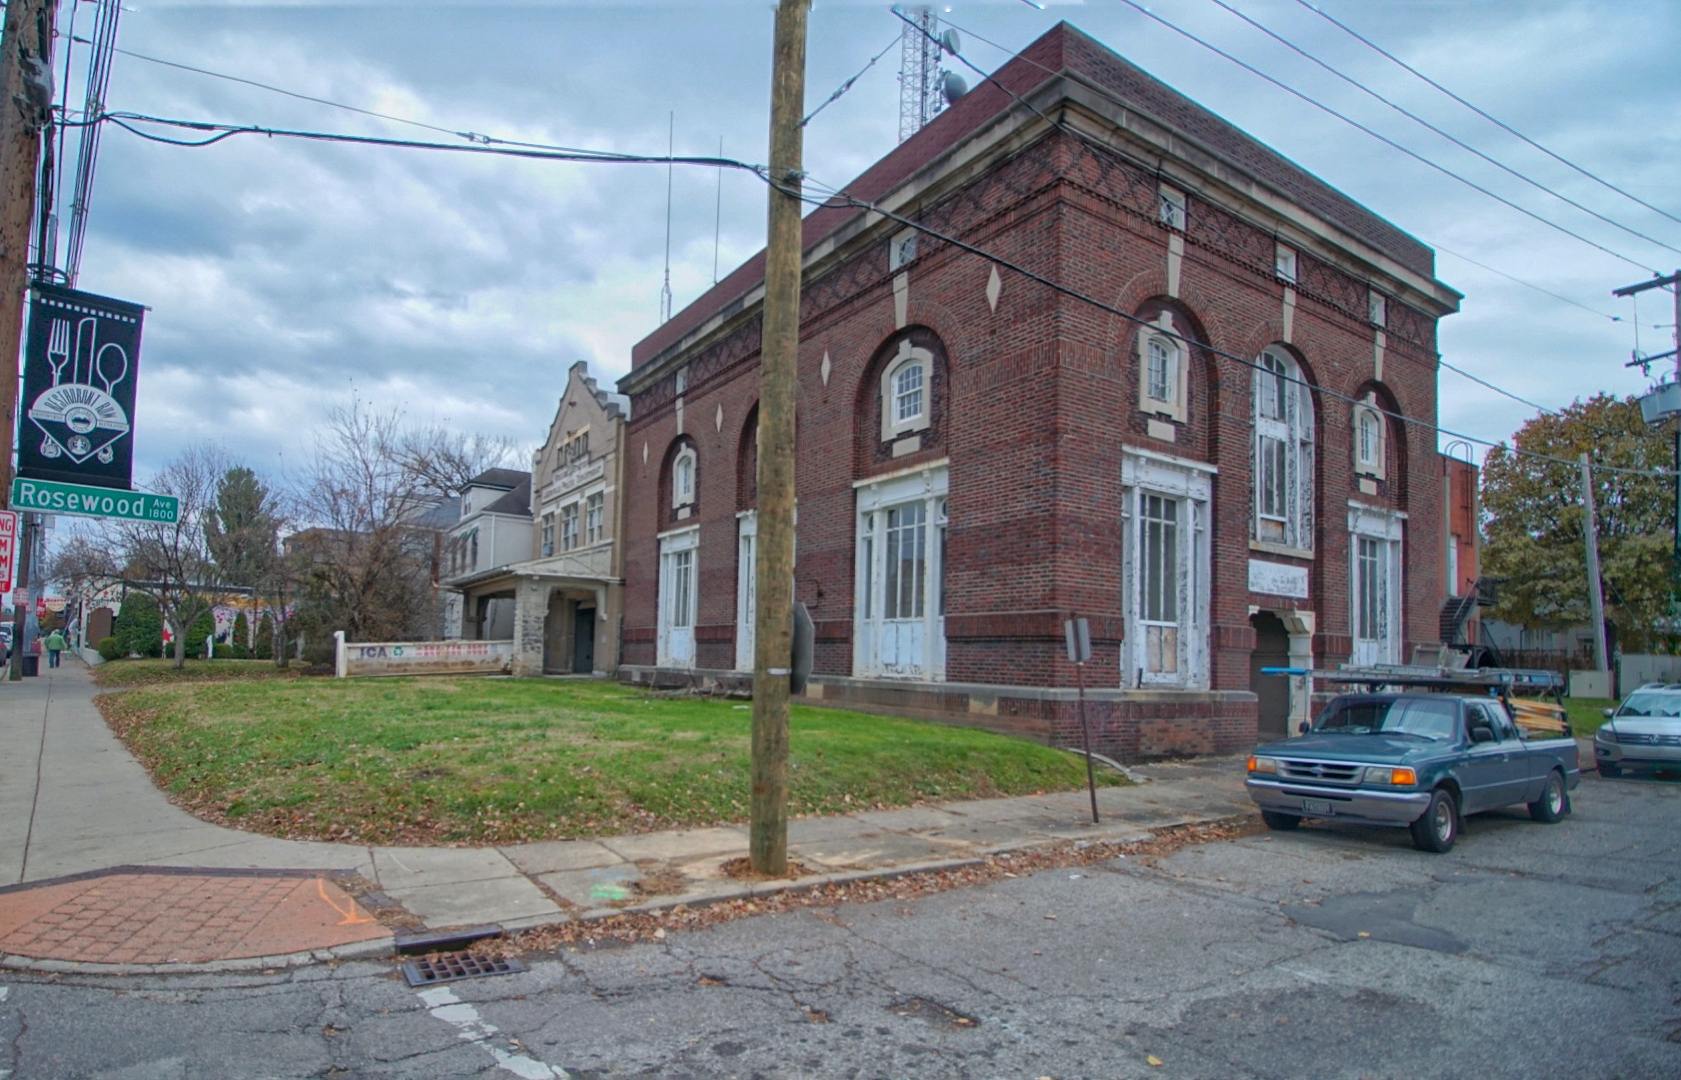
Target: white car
<point x="1644" y="732"/>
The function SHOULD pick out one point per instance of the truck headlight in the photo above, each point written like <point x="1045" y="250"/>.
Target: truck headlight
<point x="1399" y="777"/>
<point x="1263" y="765"/>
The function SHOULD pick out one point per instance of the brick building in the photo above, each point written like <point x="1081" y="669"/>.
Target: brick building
<point x="981" y="456"/>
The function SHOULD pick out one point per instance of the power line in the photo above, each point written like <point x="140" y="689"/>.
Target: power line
<point x="1415" y="118"/>
<point x="1498" y="390"/>
<point x="1060" y="126"/>
<point x="847" y="85"/>
<point x="1527" y="284"/>
<point x="498" y="147"/>
<point x="1114" y="153"/>
<point x="844" y="198"/>
<point x="1380" y="137"/>
<point x="1501" y="124"/>
<point x="224" y="131"/>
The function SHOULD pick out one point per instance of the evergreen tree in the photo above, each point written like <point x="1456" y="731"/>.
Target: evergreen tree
<point x="263" y="647"/>
<point x="202" y="627"/>
<point x="138" y="627"/>
<point x="239" y="648"/>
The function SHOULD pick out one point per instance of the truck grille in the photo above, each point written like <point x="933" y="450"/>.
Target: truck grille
<point x="1648" y="740"/>
<point x="1321" y="772"/>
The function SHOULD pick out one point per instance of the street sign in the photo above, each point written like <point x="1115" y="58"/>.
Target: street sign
<point x="88" y="501"/>
<point x="8" y="549"/>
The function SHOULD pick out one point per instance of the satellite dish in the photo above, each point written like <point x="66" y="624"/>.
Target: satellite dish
<point x="954" y="87"/>
<point x="951" y="42"/>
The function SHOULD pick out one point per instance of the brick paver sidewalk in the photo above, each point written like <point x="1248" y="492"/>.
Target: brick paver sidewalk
<point x="152" y="915"/>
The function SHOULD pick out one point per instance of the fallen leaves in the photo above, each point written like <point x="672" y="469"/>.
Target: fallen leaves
<point x="653" y="926"/>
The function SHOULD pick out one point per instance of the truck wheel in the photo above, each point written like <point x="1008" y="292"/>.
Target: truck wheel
<point x="1610" y="771"/>
<point x="1549" y="808"/>
<point x="1280" y="822"/>
<point x="1438" y="828"/>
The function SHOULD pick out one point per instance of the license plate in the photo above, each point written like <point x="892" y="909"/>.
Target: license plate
<point x="1317" y="806"/>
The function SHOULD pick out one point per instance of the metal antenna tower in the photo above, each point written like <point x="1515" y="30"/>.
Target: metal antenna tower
<point x="920" y="99"/>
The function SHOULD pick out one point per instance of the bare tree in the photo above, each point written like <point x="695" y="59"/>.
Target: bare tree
<point x="171" y="561"/>
<point x="440" y="463"/>
<point x="358" y="566"/>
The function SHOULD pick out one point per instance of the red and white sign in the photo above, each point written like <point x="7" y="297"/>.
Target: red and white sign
<point x="8" y="548"/>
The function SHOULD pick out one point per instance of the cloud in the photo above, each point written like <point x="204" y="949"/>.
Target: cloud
<point x="285" y="275"/>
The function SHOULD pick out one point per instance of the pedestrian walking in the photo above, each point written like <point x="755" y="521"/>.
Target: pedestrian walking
<point x="55" y="645"/>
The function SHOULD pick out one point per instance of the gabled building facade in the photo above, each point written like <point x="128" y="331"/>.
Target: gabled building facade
<point x="1210" y="452"/>
<point x="536" y="558"/>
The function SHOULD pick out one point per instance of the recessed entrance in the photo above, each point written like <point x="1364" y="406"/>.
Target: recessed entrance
<point x="583" y="641"/>
<point x="1272" y="649"/>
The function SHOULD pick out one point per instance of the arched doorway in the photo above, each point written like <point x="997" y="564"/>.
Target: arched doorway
<point x="1272" y="649"/>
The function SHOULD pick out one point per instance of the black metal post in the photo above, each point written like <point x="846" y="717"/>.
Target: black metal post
<point x="1085" y="739"/>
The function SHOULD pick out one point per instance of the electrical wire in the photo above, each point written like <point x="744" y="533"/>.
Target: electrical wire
<point x="1501" y="124"/>
<point x="1455" y="140"/>
<point x="220" y="132"/>
<point x="844" y="198"/>
<point x="1111" y="151"/>
<point x="833" y="197"/>
<point x="1498" y="390"/>
<point x="1380" y="137"/>
<point x="87" y="153"/>
<point x="847" y="85"/>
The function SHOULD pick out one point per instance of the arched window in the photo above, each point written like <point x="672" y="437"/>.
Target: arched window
<point x="1282" y="453"/>
<point x="1368" y="439"/>
<point x="1163" y="368"/>
<point x="905" y="391"/>
<point x="683" y="478"/>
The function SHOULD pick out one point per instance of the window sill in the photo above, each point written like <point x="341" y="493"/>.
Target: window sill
<point x="1280" y="549"/>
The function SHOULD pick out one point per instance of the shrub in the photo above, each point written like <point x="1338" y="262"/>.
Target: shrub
<point x="109" y="649"/>
<point x="202" y="627"/>
<point x="264" y="647"/>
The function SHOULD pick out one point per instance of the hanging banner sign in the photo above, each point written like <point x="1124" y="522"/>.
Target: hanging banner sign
<point x="81" y="362"/>
<point x="8" y="549"/>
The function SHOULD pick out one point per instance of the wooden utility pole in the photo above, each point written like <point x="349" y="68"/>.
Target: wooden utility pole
<point x="1596" y="595"/>
<point x="778" y="381"/>
<point x="25" y="51"/>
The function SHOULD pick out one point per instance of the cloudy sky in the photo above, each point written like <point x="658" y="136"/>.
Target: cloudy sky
<point x="284" y="276"/>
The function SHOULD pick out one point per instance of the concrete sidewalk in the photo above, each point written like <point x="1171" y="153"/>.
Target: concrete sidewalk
<point x="74" y="801"/>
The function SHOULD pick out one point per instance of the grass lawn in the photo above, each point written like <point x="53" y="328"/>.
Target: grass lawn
<point x="149" y="672"/>
<point x="489" y="761"/>
<point x="1586" y="714"/>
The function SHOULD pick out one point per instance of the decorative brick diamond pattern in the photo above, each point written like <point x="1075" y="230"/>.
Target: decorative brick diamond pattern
<point x="142" y="916"/>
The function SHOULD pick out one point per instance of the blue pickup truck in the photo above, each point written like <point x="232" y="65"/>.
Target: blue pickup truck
<point x="1419" y="759"/>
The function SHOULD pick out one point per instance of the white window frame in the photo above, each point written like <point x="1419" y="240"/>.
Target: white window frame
<point x="1284" y="263"/>
<point x="679" y="600"/>
<point x="1370" y="455"/>
<point x="1377" y="308"/>
<point x="907" y="357"/>
<point x="1375" y="606"/>
<point x="571" y="526"/>
<point x="1170" y="207"/>
<point x="1164" y="333"/>
<point x="1189" y="486"/>
<point x="746" y="588"/>
<point x="683" y="483"/>
<point x="908" y="646"/>
<point x="595" y="517"/>
<point x="1282" y="452"/>
<point x="901" y="249"/>
<point x="547" y="535"/>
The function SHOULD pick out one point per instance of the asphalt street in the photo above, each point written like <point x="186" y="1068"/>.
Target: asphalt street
<point x="1528" y="951"/>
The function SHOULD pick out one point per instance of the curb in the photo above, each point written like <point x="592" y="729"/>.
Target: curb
<point x="362" y="950"/>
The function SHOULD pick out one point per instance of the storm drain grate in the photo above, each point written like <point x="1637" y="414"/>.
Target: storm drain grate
<point x="429" y="971"/>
